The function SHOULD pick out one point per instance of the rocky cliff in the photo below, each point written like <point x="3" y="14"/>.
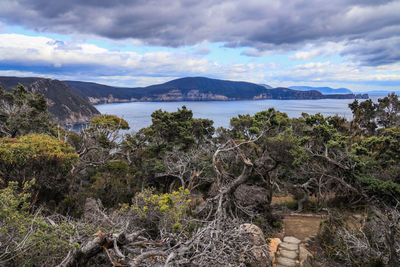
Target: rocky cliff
<point x="66" y="106"/>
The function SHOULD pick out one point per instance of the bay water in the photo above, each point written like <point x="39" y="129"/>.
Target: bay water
<point x="138" y="114"/>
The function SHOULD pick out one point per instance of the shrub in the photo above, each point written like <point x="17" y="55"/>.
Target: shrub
<point x="167" y="211"/>
<point x="30" y="239"/>
<point x="113" y="183"/>
<point x="110" y="122"/>
<point x="37" y="156"/>
<point x="292" y="205"/>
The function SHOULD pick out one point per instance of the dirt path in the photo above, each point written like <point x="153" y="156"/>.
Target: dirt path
<point x="298" y="229"/>
<point x="300" y="226"/>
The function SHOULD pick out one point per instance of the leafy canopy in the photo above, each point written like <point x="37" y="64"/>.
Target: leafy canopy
<point x="22" y="112"/>
<point x="36" y="156"/>
<point x="110" y="122"/>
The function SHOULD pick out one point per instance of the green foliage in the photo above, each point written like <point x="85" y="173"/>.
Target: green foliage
<point x="388" y="110"/>
<point x="113" y="183"/>
<point x="273" y="149"/>
<point x="29" y="239"/>
<point x="36" y="156"/>
<point x="246" y="126"/>
<point x="104" y="131"/>
<point x="22" y="112"/>
<point x="379" y="158"/>
<point x="179" y="129"/>
<point x="383" y="147"/>
<point x="387" y="190"/>
<point x="173" y="139"/>
<point x="109" y="122"/>
<point x="368" y="115"/>
<point x="37" y="148"/>
<point x="292" y="205"/>
<point x="325" y="156"/>
<point x="364" y="114"/>
<point x="168" y="210"/>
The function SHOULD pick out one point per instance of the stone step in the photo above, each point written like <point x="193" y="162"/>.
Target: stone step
<point x="288" y="254"/>
<point x="286" y="262"/>
<point x="291" y="240"/>
<point x="304" y="253"/>
<point x="288" y="246"/>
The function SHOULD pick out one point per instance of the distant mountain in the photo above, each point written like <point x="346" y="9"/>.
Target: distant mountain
<point x="267" y="86"/>
<point x="323" y="90"/>
<point x="382" y="93"/>
<point x="191" y="89"/>
<point x="65" y="105"/>
<point x="99" y="93"/>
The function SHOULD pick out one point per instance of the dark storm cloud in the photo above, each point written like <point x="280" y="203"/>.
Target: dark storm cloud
<point x="264" y="25"/>
<point x="376" y="52"/>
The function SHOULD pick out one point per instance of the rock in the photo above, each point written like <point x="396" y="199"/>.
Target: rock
<point x="273" y="244"/>
<point x="288" y="246"/>
<point x="291" y="240"/>
<point x="252" y="195"/>
<point x="272" y="257"/>
<point x="304" y="254"/>
<point x="288" y="254"/>
<point x="257" y="236"/>
<point x="260" y="249"/>
<point x="286" y="262"/>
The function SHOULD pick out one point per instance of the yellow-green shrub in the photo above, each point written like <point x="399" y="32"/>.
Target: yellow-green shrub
<point x="36" y="156"/>
<point x="169" y="209"/>
<point x="29" y="239"/>
<point x="110" y="122"/>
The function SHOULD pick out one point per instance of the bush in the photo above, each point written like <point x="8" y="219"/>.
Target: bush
<point x="292" y="205"/>
<point x="22" y="112"/>
<point x="110" y="122"/>
<point x="167" y="211"/>
<point x="30" y="239"/>
<point x="37" y="156"/>
<point x="113" y="183"/>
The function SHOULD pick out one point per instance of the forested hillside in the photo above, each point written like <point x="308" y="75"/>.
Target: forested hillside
<point x="323" y="90"/>
<point x="195" y="89"/>
<point x="182" y="193"/>
<point x="65" y="106"/>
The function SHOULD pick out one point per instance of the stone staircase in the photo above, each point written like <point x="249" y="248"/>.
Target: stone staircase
<point x="298" y="232"/>
<point x="292" y="252"/>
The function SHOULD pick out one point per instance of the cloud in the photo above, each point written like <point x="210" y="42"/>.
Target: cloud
<point x="263" y="25"/>
<point x="203" y="50"/>
<point x="306" y="55"/>
<point x="330" y="72"/>
<point x="374" y="52"/>
<point x="43" y="56"/>
<point x="255" y="53"/>
<point x="311" y="51"/>
<point x="36" y="56"/>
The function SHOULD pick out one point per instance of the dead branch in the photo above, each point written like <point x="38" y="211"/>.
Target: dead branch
<point x="148" y="254"/>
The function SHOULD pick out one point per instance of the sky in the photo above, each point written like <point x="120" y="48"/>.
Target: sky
<point x="342" y="43"/>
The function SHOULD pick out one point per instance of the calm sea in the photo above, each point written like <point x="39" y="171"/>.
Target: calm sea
<point x="138" y="114"/>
